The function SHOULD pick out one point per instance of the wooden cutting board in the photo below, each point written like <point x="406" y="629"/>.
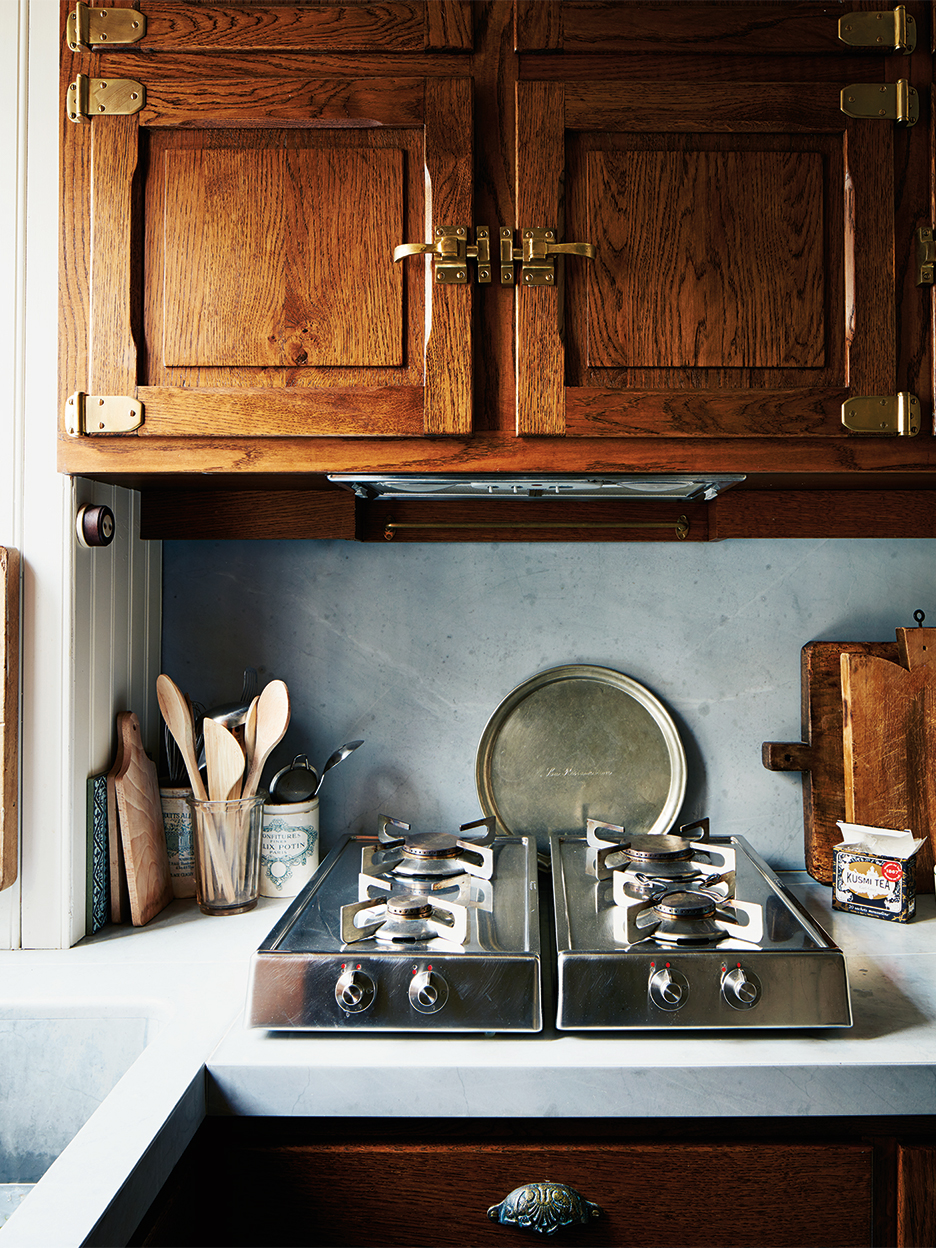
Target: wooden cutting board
<point x="141" y="825"/>
<point x="820" y="755"/>
<point x="889" y="740"/>
<point x="117" y="871"/>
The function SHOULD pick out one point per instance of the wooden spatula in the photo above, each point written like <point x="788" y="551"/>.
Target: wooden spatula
<point x="224" y="759"/>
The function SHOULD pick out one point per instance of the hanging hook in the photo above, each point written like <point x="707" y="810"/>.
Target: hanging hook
<point x="919" y="616"/>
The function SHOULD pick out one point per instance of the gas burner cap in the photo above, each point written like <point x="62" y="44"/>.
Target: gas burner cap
<point x="408" y="906"/>
<point x="432" y="845"/>
<point x="685" y="905"/>
<point x="662" y="848"/>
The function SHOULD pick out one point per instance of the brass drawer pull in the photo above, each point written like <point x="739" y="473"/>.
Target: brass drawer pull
<point x="544" y="1207"/>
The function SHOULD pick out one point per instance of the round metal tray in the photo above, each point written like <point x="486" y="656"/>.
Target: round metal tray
<point x="579" y="742"/>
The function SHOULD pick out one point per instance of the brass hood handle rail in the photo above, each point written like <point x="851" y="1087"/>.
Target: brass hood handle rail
<point x="680" y="526"/>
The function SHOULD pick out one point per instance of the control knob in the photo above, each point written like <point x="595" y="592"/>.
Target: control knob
<point x="428" y="992"/>
<point x="669" y="989"/>
<point x="354" y="991"/>
<point x="740" y="988"/>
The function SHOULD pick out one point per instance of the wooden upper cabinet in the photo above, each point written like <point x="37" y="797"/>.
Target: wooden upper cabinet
<point x="228" y="247"/>
<point x="242" y="224"/>
<point x="749" y="274"/>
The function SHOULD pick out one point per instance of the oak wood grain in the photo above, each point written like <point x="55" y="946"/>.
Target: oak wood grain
<point x="112" y="347"/>
<point x="449" y="168"/>
<point x="397" y="26"/>
<point x="313" y="230"/>
<point x="540" y="355"/>
<point x="282" y="413"/>
<point x="916" y="1188"/>
<point x="449" y="25"/>
<point x="9" y="714"/>
<point x="122" y="457"/>
<point x="725" y="30"/>
<point x="692" y="293"/>
<point x="200" y="100"/>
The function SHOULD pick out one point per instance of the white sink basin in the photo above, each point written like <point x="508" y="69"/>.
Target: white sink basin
<point x="59" y="1062"/>
<point x="60" y="1059"/>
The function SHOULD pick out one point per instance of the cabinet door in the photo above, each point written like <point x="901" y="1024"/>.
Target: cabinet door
<point x="241" y="225"/>
<point x="748" y="277"/>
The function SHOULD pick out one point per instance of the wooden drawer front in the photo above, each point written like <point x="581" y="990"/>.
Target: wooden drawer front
<point x="436" y="1195"/>
<point x="916" y="1185"/>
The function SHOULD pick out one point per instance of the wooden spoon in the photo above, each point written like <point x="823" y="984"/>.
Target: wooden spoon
<point x="178" y="716"/>
<point x="272" y="718"/>
<point x="225" y="761"/>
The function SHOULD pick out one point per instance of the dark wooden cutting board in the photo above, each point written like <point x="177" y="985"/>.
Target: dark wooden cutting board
<point x="890" y="740"/>
<point x="820" y="755"/>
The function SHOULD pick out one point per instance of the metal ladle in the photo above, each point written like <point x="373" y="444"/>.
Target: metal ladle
<point x="342" y="752"/>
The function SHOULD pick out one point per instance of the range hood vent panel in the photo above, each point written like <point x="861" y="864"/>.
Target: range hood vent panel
<point x="551" y="487"/>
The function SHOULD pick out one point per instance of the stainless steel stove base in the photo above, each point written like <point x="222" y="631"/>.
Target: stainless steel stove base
<point x="305" y="977"/>
<point x="792" y="977"/>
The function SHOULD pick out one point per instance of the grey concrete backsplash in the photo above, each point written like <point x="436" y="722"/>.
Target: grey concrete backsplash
<point x="413" y="647"/>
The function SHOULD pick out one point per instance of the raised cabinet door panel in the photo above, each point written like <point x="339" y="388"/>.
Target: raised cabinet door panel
<point x="276" y="258"/>
<point x="241" y="279"/>
<point x="745" y="282"/>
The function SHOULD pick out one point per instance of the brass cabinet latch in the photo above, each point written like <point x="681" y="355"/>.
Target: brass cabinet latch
<point x="451" y="251"/>
<point x="925" y="255"/>
<point x="101" y="413"/>
<point x="896" y="414"/>
<point x="114" y="97"/>
<point x="890" y="31"/>
<point x="88" y="29"/>
<point x="892" y="101"/>
<point x="537" y="254"/>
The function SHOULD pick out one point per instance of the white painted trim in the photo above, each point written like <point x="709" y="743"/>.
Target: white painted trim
<point x="91" y="618"/>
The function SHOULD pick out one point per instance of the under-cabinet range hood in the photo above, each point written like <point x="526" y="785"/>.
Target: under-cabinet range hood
<point x="527" y="486"/>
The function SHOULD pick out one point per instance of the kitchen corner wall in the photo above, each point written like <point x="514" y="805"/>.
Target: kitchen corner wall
<point x="412" y="647"/>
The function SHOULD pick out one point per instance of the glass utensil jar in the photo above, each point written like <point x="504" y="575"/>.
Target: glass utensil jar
<point x="226" y="843"/>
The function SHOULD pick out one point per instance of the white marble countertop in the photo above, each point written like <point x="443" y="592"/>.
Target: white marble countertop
<point x="884" y="1064"/>
<point x="187" y="974"/>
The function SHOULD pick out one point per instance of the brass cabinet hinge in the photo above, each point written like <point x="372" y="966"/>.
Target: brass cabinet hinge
<point x="537" y="251"/>
<point x="102" y="413"/>
<point x="451" y="252"/>
<point x="925" y="255"/>
<point x="891" y="32"/>
<point x="90" y="28"/>
<point x="892" y="101"/>
<point x="897" y="414"/>
<point x="113" y="97"/>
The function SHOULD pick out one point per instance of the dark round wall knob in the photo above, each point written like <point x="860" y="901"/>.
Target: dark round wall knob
<point x="95" y="525"/>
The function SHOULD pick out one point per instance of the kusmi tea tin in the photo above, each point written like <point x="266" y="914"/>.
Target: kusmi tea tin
<point x="873" y="884"/>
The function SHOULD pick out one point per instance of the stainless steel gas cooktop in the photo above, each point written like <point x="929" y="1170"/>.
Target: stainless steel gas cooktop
<point x="408" y="932"/>
<point x="679" y="931"/>
<point x="433" y="932"/>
